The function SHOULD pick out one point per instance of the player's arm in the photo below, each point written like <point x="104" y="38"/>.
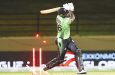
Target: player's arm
<point x="70" y="8"/>
<point x="72" y="16"/>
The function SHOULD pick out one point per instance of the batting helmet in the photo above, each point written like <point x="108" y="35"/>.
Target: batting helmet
<point x="62" y="11"/>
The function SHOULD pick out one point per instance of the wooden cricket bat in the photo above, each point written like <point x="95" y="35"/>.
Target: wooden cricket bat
<point x="47" y="11"/>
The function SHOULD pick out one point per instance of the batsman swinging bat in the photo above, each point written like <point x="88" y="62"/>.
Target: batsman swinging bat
<point x="47" y="11"/>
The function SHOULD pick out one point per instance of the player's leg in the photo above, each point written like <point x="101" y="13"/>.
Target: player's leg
<point x="79" y="62"/>
<point x="54" y="62"/>
<point x="58" y="60"/>
<point x="78" y="56"/>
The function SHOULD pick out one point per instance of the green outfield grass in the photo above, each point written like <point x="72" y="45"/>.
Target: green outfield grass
<point x="61" y="73"/>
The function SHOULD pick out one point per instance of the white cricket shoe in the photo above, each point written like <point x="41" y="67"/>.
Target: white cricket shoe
<point x="82" y="72"/>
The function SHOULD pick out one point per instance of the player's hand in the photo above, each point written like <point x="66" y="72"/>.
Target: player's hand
<point x="66" y="6"/>
<point x="71" y="6"/>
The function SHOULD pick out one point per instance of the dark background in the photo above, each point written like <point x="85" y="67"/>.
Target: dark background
<point x="22" y="18"/>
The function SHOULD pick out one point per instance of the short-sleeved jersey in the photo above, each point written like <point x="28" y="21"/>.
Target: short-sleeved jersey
<point x="63" y="27"/>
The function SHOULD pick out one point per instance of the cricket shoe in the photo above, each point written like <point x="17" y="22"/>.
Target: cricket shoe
<point x="82" y="72"/>
<point x="45" y="68"/>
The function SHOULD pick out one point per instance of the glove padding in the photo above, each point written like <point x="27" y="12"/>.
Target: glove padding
<point x="69" y="6"/>
<point x="66" y="6"/>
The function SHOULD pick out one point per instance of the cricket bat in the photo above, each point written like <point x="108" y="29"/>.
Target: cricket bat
<point x="47" y="11"/>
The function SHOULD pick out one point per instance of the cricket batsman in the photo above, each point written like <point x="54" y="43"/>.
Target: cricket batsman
<point x="64" y="41"/>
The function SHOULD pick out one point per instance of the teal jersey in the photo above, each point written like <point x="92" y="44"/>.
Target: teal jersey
<point x="63" y="27"/>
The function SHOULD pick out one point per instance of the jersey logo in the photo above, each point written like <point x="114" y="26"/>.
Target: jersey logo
<point x="59" y="28"/>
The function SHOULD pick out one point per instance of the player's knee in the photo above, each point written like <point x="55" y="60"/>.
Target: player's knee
<point x="78" y="52"/>
<point x="72" y="46"/>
